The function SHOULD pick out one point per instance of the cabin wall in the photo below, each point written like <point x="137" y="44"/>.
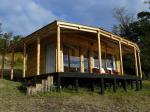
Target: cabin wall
<point x="31" y="59"/>
<point x="44" y="42"/>
<point x="32" y="55"/>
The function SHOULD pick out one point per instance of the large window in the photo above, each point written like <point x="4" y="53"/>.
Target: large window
<point x="86" y="61"/>
<point x="71" y="58"/>
<point x="108" y="62"/>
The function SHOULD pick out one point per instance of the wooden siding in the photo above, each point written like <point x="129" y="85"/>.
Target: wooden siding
<point x="31" y="59"/>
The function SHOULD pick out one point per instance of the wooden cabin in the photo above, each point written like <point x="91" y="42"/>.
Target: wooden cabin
<point x="75" y="50"/>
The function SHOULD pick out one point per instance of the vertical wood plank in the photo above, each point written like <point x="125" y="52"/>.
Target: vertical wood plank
<point x="58" y="48"/>
<point x="81" y="61"/>
<point x="24" y="61"/>
<point x="121" y="62"/>
<point x="91" y="60"/>
<point x="99" y="51"/>
<point x="136" y="64"/>
<point x="38" y="55"/>
<point x="12" y="65"/>
<point x="139" y="60"/>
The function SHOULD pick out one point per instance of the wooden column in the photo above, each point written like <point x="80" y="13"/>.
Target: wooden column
<point x="139" y="60"/>
<point x="136" y="64"/>
<point x="58" y="49"/>
<point x="24" y="61"/>
<point x="99" y="51"/>
<point x="91" y="60"/>
<point x="81" y="60"/>
<point x="121" y="62"/>
<point x="38" y="55"/>
<point x="12" y="65"/>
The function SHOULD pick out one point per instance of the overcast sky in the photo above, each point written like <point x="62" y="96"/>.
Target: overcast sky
<point x="25" y="16"/>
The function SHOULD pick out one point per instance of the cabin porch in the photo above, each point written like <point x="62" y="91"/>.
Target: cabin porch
<point x="78" y="52"/>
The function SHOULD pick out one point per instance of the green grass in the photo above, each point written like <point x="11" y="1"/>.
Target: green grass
<point x="12" y="100"/>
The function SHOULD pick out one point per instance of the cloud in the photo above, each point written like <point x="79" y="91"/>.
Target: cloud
<point x="24" y="16"/>
<point x="92" y="12"/>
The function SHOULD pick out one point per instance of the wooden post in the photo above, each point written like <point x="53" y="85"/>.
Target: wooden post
<point x="136" y="64"/>
<point x="58" y="48"/>
<point x="131" y="82"/>
<point x="102" y="85"/>
<point x="114" y="85"/>
<point x="91" y="61"/>
<point x="124" y="84"/>
<point x="121" y="62"/>
<point x="38" y="55"/>
<point x="81" y="60"/>
<point x="92" y="84"/>
<point x="58" y="83"/>
<point x="12" y="65"/>
<point x="137" y="85"/>
<point x="99" y="51"/>
<point x="139" y="60"/>
<point x="141" y="84"/>
<point x="24" y="61"/>
<point x="76" y="85"/>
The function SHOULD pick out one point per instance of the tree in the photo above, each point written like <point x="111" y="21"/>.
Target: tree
<point x="6" y="39"/>
<point x="138" y="31"/>
<point x="123" y="27"/>
<point x="142" y="28"/>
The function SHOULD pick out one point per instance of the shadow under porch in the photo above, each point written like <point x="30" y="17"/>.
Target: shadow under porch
<point x="88" y="80"/>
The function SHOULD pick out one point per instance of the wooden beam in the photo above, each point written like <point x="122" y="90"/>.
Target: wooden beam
<point x="58" y="49"/>
<point x="121" y="62"/>
<point x="139" y="60"/>
<point x="99" y="51"/>
<point x="94" y="30"/>
<point x="12" y="65"/>
<point x="38" y="55"/>
<point x="136" y="63"/>
<point x="24" y="61"/>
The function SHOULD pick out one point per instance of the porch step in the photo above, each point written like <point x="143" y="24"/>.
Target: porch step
<point x="42" y="86"/>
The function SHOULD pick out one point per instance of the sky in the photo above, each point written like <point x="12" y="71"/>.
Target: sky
<point x="23" y="17"/>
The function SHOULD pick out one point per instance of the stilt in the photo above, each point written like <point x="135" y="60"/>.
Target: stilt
<point x="105" y="86"/>
<point x="137" y="85"/>
<point x="110" y="84"/>
<point x="102" y="86"/>
<point x="131" y="82"/>
<point x="76" y="85"/>
<point x="118" y="85"/>
<point x="58" y="83"/>
<point x="124" y="84"/>
<point x="141" y="84"/>
<point x="92" y="85"/>
<point x="114" y="84"/>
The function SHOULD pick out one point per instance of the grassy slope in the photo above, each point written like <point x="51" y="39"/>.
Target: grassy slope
<point x="12" y="100"/>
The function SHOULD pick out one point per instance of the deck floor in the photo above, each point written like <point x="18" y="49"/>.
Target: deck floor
<point x="102" y="79"/>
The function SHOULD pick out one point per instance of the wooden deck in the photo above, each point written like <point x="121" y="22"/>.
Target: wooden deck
<point x="102" y="79"/>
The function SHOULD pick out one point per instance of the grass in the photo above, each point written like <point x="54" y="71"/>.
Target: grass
<point x="12" y="100"/>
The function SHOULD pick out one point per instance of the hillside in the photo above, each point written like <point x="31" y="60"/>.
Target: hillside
<point x="12" y="100"/>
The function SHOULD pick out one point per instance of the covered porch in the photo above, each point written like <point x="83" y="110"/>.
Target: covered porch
<point x="66" y="47"/>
